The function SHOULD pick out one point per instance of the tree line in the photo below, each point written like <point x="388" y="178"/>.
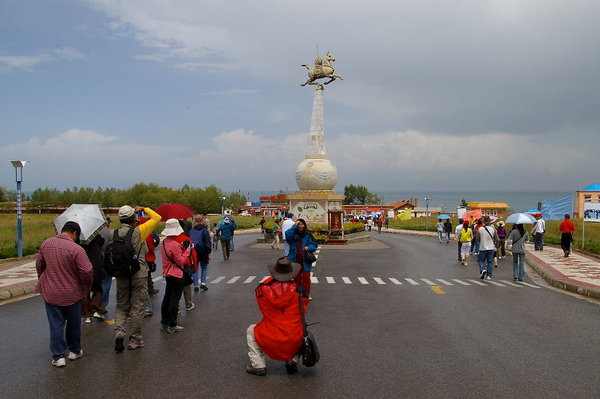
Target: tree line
<point x="208" y="199"/>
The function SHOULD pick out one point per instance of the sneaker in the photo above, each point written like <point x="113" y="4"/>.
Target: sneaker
<point x="483" y="274"/>
<point x="135" y="343"/>
<point x="148" y="313"/>
<point x="515" y="278"/>
<point x="196" y="289"/>
<point x="163" y="327"/>
<point x="488" y="278"/>
<point x="75" y="356"/>
<point x="153" y="291"/>
<point x="87" y="320"/>
<point x="60" y="362"/>
<point x="291" y="367"/>
<point x="203" y="287"/>
<point x="119" y="338"/>
<point x="257" y="371"/>
<point x="98" y="315"/>
<point x="175" y="329"/>
<point x="191" y="307"/>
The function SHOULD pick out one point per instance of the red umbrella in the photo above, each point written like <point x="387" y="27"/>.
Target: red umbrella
<point x="174" y="210"/>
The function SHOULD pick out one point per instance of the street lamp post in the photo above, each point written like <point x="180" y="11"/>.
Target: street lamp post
<point x="19" y="178"/>
<point x="427" y="213"/>
<point x="223" y="206"/>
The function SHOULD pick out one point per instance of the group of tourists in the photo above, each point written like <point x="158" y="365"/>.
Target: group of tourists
<point x="66" y="269"/>
<point x="489" y="243"/>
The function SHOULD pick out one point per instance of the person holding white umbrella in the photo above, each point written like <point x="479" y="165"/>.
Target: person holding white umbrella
<point x="516" y="240"/>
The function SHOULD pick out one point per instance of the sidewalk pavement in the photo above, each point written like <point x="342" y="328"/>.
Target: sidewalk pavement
<point x="578" y="273"/>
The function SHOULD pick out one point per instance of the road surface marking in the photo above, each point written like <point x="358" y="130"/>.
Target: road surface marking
<point x="437" y="289"/>
<point x="233" y="280"/>
<point x="460" y="281"/>
<point x="249" y="279"/>
<point x="529" y="285"/>
<point x="395" y="281"/>
<point x="346" y="280"/>
<point x="218" y="280"/>
<point x="314" y="280"/>
<point x="378" y="280"/>
<point x="330" y="280"/>
<point x="363" y="280"/>
<point x="444" y="281"/>
<point x="427" y="281"/>
<point x="411" y="281"/>
<point x="513" y="284"/>
<point x="477" y="282"/>
<point x="494" y="283"/>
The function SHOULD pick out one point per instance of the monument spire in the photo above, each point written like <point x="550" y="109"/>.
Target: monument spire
<point x="316" y="136"/>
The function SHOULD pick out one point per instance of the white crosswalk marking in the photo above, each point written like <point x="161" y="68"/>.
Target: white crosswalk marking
<point x="460" y="281"/>
<point x="428" y="282"/>
<point x="314" y="280"/>
<point x="529" y="285"/>
<point x="444" y="282"/>
<point x="395" y="281"/>
<point x="363" y="280"/>
<point x="411" y="281"/>
<point x="234" y="279"/>
<point x="218" y="280"/>
<point x="330" y="280"/>
<point x="346" y="280"/>
<point x="249" y="279"/>
<point x="378" y="280"/>
<point x="494" y="283"/>
<point x="477" y="282"/>
<point x="512" y="284"/>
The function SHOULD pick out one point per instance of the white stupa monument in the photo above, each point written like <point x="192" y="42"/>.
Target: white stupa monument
<point x="316" y="176"/>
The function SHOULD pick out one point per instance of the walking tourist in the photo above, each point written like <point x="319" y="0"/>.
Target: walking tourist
<point x="152" y="241"/>
<point x="92" y="306"/>
<point x="285" y="225"/>
<point x="225" y="230"/>
<point x="202" y="245"/>
<point x="276" y="234"/>
<point x="192" y="260"/>
<point x="262" y="225"/>
<point x="487" y="238"/>
<point x="175" y="257"/>
<point x="215" y="237"/>
<point x="106" y="233"/>
<point x="538" y="231"/>
<point x="440" y="230"/>
<point x="448" y="230"/>
<point x="279" y="333"/>
<point x="301" y="241"/>
<point x="502" y="233"/>
<point x="379" y="224"/>
<point x="132" y="292"/>
<point x="465" y="237"/>
<point x="517" y="239"/>
<point x="64" y="273"/>
<point x="566" y="229"/>
<point x="457" y="231"/>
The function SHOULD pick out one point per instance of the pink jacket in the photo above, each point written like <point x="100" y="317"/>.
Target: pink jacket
<point x="177" y="253"/>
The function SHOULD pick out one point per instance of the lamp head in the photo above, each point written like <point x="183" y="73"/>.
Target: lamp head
<point x="18" y="164"/>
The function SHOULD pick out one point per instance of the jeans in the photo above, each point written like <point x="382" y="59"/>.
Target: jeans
<point x="170" y="303"/>
<point x="440" y="234"/>
<point x="486" y="256"/>
<point x="58" y="316"/>
<point x="459" y="246"/>
<point x="447" y="237"/>
<point x="203" y="273"/>
<point x="475" y="247"/>
<point x="538" y="241"/>
<point x="106" y="283"/>
<point x="518" y="266"/>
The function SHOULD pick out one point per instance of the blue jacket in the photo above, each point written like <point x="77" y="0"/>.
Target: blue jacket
<point x="202" y="242"/>
<point x="292" y="237"/>
<point x="226" y="230"/>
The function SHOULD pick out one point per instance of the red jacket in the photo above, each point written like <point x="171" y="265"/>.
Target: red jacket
<point x="279" y="333"/>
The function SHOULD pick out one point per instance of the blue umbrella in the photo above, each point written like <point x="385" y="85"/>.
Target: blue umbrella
<point x="444" y="217"/>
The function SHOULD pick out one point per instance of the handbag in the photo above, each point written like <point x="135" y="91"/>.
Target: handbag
<point x="187" y="270"/>
<point x="309" y="257"/>
<point x="309" y="351"/>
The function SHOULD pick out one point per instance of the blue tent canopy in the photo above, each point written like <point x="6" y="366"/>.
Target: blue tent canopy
<point x="593" y="187"/>
<point x="531" y="211"/>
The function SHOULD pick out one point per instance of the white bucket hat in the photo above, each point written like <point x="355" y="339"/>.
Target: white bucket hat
<point x="172" y="228"/>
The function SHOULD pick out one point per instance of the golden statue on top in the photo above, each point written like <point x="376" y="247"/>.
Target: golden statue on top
<point x="322" y="70"/>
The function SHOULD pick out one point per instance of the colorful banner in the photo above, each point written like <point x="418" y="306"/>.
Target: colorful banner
<point x="406" y="215"/>
<point x="591" y="212"/>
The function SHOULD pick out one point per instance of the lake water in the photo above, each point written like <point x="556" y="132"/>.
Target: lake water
<point x="449" y="200"/>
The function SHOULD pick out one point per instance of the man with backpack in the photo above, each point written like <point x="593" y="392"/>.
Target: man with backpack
<point x="125" y="259"/>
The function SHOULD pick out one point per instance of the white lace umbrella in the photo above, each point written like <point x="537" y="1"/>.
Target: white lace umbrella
<point x="520" y="218"/>
<point x="90" y="217"/>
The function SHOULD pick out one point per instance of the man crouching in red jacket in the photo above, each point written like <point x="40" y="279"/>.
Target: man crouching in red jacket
<point x="279" y="333"/>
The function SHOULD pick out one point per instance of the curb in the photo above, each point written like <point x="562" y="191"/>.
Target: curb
<point x="16" y="291"/>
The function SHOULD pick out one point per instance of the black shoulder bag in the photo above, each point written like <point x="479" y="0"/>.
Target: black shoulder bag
<point x="309" y="350"/>
<point x="186" y="269"/>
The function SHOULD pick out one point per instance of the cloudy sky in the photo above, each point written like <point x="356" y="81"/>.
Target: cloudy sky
<point x="438" y="95"/>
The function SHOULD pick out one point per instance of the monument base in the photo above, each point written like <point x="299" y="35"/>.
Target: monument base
<point x="313" y="205"/>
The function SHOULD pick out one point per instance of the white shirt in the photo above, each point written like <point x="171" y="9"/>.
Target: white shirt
<point x="285" y="226"/>
<point x="486" y="243"/>
<point x="540" y="226"/>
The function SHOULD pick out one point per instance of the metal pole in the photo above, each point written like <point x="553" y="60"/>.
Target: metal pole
<point x="19" y="222"/>
<point x="426" y="214"/>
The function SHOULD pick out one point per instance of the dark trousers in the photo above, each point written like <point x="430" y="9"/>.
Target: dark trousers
<point x="170" y="303"/>
<point x="538" y="241"/>
<point x="565" y="242"/>
<point x="64" y="337"/>
<point x="225" y="246"/>
<point x="459" y="245"/>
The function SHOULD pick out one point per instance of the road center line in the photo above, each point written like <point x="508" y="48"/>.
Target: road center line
<point x="437" y="289"/>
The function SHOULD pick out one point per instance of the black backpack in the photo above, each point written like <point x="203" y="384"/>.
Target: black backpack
<point x="120" y="258"/>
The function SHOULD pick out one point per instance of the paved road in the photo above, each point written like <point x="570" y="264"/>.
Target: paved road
<point x="402" y="320"/>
